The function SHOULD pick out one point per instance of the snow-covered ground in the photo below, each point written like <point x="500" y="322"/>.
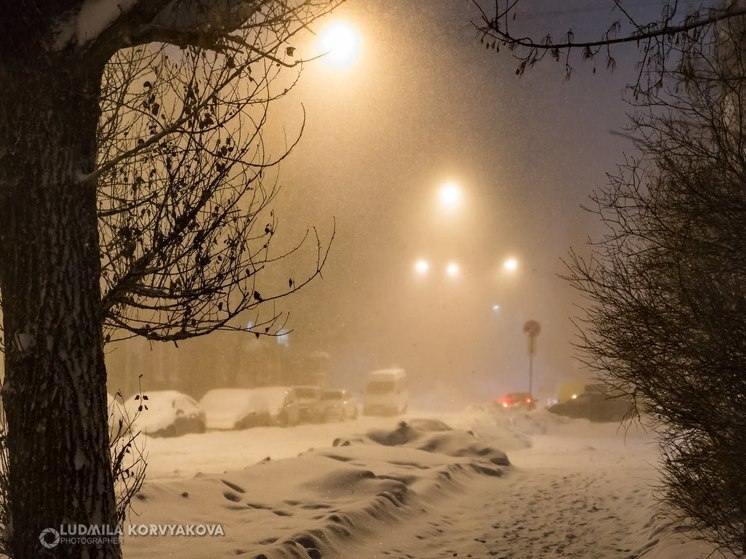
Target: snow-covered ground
<point x="376" y="488"/>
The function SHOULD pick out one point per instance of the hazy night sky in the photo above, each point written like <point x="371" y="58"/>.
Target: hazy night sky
<point x="423" y="104"/>
<point x="426" y="103"/>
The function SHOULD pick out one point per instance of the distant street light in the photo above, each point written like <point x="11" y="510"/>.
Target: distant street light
<point x="452" y="270"/>
<point x="510" y="265"/>
<point x="340" y="44"/>
<point x="421" y="267"/>
<point x="450" y="195"/>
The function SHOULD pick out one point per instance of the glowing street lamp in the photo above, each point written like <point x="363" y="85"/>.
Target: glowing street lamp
<point x="340" y="44"/>
<point x="452" y="270"/>
<point x="450" y="195"/>
<point x="510" y="265"/>
<point x="421" y="267"/>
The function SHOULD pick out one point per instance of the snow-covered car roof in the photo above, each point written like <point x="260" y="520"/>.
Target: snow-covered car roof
<point x="225" y="407"/>
<point x="272" y="397"/>
<point x="162" y="407"/>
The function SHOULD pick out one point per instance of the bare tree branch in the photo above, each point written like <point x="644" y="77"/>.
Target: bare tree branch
<point x="656" y="39"/>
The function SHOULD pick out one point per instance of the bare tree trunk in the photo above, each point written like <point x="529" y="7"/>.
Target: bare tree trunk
<point x="55" y="384"/>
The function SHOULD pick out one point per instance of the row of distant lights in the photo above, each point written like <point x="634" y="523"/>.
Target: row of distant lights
<point x="422" y="267"/>
<point x="452" y="269"/>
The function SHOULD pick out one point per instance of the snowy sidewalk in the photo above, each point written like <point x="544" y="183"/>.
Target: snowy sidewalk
<point x="580" y="492"/>
<point x="420" y="491"/>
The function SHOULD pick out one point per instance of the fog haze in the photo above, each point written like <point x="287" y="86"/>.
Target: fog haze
<point x="425" y="104"/>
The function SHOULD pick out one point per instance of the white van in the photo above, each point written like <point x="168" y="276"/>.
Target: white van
<point x="386" y="392"/>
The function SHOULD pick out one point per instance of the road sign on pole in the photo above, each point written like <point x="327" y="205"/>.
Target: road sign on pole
<point x="531" y="329"/>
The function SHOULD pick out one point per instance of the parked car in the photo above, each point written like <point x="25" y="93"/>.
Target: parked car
<point x="280" y="405"/>
<point x="165" y="413"/>
<point x="386" y="392"/>
<point x="594" y="406"/>
<point x="304" y="404"/>
<point x="517" y="400"/>
<point x="338" y="405"/>
<point x="570" y="390"/>
<point x="239" y="408"/>
<point x="231" y="408"/>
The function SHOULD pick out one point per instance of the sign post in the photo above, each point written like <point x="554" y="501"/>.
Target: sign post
<point x="531" y="329"/>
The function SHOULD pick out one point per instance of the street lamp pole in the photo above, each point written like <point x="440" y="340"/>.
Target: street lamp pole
<point x="531" y="351"/>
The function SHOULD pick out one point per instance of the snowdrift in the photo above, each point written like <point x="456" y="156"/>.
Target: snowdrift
<point x="313" y="505"/>
<point x="421" y="488"/>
